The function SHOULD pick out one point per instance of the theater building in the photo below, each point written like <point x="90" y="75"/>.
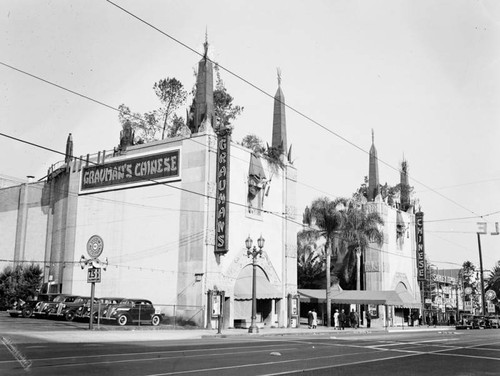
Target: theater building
<point x="173" y="216"/>
<point x="390" y="273"/>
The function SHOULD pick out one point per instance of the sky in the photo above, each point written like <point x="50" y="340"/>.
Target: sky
<point x="424" y="75"/>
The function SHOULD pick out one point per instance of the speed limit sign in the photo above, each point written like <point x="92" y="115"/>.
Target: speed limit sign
<point x="94" y="275"/>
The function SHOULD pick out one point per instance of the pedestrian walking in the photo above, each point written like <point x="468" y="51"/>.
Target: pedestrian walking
<point x="342" y="319"/>
<point x="336" y="319"/>
<point x="368" y="319"/>
<point x="353" y="319"/>
<point x="314" y="319"/>
<point x="434" y="319"/>
<point x="309" y="319"/>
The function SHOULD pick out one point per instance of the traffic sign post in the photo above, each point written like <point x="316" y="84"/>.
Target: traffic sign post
<point x="95" y="246"/>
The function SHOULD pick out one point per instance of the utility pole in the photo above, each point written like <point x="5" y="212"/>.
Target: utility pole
<point x="483" y="306"/>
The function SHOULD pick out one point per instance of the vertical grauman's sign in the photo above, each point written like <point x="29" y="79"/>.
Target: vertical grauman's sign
<point x="222" y="192"/>
<point x="419" y="230"/>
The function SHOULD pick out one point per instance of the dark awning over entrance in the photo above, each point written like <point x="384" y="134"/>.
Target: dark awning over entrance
<point x="402" y="299"/>
<point x="264" y="289"/>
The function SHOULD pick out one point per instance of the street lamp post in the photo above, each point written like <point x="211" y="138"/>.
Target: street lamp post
<point x="254" y="253"/>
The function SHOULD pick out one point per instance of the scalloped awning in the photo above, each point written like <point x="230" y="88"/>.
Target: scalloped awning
<point x="264" y="288"/>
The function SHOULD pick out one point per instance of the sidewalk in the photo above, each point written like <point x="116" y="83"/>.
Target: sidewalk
<point x="133" y="334"/>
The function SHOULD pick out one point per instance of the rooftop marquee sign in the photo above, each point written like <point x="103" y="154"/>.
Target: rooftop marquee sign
<point x="419" y="218"/>
<point x="145" y="169"/>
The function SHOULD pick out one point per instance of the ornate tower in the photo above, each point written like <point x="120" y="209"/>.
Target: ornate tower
<point x="405" y="186"/>
<point x="203" y="104"/>
<point x="279" y="120"/>
<point x="373" y="182"/>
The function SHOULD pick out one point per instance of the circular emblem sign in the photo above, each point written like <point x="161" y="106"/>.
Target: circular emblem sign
<point x="468" y="290"/>
<point x="95" y="245"/>
<point x="490" y="295"/>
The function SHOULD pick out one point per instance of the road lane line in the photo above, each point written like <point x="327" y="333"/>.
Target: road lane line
<point x="145" y="353"/>
<point x="155" y="358"/>
<point x="336" y="365"/>
<point x="197" y="371"/>
<point x="469" y="356"/>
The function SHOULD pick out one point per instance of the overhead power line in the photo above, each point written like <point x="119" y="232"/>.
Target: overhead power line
<point x="235" y="75"/>
<point x="300" y="113"/>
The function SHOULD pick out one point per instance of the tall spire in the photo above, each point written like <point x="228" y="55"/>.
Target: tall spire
<point x="203" y="105"/>
<point x="69" y="149"/>
<point x="405" y="186"/>
<point x="279" y="120"/>
<point x="373" y="182"/>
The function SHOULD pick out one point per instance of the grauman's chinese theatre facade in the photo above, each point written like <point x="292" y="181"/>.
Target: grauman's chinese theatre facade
<point x="174" y="216"/>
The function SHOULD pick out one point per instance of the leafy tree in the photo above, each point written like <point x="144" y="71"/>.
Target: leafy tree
<point x="225" y="110"/>
<point x="326" y="219"/>
<point x="310" y="256"/>
<point x="468" y="273"/>
<point x="360" y="228"/>
<point x="163" y="121"/>
<point x="8" y="286"/>
<point x="253" y="143"/>
<point x="172" y="95"/>
<point x="388" y="192"/>
<point x="19" y="283"/>
<point x="144" y="126"/>
<point x="274" y="155"/>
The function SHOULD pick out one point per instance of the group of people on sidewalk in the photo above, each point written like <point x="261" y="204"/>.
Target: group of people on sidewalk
<point x="340" y="319"/>
<point x="312" y="319"/>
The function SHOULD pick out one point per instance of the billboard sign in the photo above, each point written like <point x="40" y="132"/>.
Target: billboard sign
<point x="146" y="169"/>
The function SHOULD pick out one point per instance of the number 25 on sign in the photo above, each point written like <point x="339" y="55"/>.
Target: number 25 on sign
<point x="94" y="275"/>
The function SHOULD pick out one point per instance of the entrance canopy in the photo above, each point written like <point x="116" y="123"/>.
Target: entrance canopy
<point x="390" y="297"/>
<point x="264" y="289"/>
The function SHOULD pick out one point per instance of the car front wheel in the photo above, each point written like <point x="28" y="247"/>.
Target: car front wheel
<point x="122" y="320"/>
<point x="69" y="316"/>
<point x="155" y="320"/>
<point x="27" y="312"/>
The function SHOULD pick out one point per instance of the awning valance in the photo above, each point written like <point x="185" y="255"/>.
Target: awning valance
<point x="390" y="297"/>
<point x="264" y="289"/>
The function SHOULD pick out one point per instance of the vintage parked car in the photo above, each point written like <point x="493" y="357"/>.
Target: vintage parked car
<point x="68" y="309"/>
<point x="26" y="308"/>
<point x="495" y="321"/>
<point x="16" y="308"/>
<point x="50" y="309"/>
<point x="83" y="312"/>
<point x="133" y="311"/>
<point x="477" y="322"/>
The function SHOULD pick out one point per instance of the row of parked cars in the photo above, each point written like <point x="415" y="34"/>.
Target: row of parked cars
<point x="121" y="311"/>
<point x="479" y="322"/>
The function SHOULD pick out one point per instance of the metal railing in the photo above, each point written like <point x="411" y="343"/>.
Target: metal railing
<point x="170" y="315"/>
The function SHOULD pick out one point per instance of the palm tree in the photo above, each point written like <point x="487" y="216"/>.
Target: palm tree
<point x="310" y="270"/>
<point x="359" y="230"/>
<point x="325" y="218"/>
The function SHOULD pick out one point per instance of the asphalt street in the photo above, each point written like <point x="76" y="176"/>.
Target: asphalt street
<point x="151" y="352"/>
